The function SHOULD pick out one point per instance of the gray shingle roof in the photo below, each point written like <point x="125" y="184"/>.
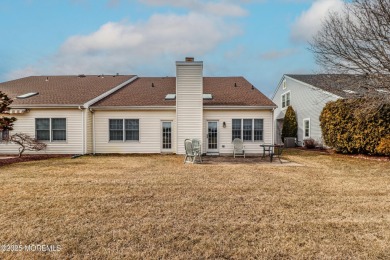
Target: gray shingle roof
<point x="342" y="85"/>
<point x="226" y="91"/>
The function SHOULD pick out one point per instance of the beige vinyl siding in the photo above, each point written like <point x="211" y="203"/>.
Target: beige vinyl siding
<point x="26" y="124"/>
<point x="189" y="103"/>
<point x="149" y="131"/>
<point x="225" y="134"/>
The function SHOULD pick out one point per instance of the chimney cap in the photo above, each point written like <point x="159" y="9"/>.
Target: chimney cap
<point x="190" y="59"/>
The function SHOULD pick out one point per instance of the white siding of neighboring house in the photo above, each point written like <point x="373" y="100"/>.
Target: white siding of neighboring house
<point x="307" y="102"/>
<point x="26" y="124"/>
<point x="189" y="102"/>
<point x="225" y="144"/>
<point x="149" y="131"/>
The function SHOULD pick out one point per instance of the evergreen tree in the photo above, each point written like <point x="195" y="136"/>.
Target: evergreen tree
<point x="5" y="122"/>
<point x="290" y="126"/>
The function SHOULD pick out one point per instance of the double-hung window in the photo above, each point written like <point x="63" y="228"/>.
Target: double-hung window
<point x="248" y="129"/>
<point x="236" y="129"/>
<point x="50" y="129"/>
<point x="124" y="129"/>
<point x="286" y="99"/>
<point x="4" y="135"/>
<point x="306" y="128"/>
<point x="247" y="133"/>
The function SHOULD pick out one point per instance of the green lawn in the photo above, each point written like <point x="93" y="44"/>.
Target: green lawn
<point x="141" y="207"/>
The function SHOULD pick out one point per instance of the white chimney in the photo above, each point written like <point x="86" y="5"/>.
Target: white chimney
<point x="189" y="101"/>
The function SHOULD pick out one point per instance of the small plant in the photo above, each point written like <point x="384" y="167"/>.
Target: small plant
<point x="26" y="142"/>
<point x="309" y="143"/>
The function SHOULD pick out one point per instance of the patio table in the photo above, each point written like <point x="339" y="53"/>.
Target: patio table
<point x="269" y="148"/>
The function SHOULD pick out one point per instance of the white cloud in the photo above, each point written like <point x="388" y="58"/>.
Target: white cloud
<point x="218" y="8"/>
<point x="127" y="47"/>
<point x="309" y="22"/>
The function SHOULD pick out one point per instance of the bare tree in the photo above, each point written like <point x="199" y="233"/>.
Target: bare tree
<point x="357" y="41"/>
<point x="26" y="142"/>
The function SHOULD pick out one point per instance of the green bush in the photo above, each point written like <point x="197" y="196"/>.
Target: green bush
<point x="290" y="126"/>
<point x="350" y="132"/>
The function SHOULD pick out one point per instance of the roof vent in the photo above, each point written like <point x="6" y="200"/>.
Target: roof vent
<point x="349" y="91"/>
<point x="235" y="84"/>
<point x="81" y="76"/>
<point x="152" y="85"/>
<point x="207" y="96"/>
<point x="27" y="95"/>
<point x="382" y="90"/>
<point x="170" y="97"/>
<point x="190" y="59"/>
<point x="253" y="87"/>
<point x="47" y="79"/>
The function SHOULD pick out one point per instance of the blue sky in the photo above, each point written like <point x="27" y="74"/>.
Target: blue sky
<point x="258" y="39"/>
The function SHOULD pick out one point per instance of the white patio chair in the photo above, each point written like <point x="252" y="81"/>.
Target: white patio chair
<point x="238" y="148"/>
<point x="197" y="147"/>
<point x="190" y="153"/>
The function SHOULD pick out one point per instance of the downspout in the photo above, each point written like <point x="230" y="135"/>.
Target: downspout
<point x="93" y="132"/>
<point x="273" y="126"/>
<point x="83" y="128"/>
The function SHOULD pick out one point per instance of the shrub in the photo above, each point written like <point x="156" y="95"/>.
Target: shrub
<point x="26" y="142"/>
<point x="309" y="143"/>
<point x="384" y="146"/>
<point x="350" y="132"/>
<point x="290" y="126"/>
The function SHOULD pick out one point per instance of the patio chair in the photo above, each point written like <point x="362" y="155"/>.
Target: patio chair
<point x="277" y="152"/>
<point x="238" y="148"/>
<point x="191" y="153"/>
<point x="197" y="147"/>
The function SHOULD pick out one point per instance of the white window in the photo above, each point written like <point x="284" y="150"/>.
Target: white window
<point x="248" y="130"/>
<point x="306" y="128"/>
<point x="124" y="129"/>
<point x="50" y="129"/>
<point x="286" y="99"/>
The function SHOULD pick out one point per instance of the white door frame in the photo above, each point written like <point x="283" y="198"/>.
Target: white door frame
<point x="161" y="136"/>
<point x="207" y="138"/>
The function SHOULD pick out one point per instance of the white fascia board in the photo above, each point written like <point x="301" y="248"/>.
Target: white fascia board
<point x="277" y="88"/>
<point x="105" y="94"/>
<point x="45" y="106"/>
<point x="238" y="107"/>
<point x="314" y="87"/>
<point x="133" y="108"/>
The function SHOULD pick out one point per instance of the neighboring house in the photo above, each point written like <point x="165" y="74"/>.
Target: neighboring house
<point x="308" y="94"/>
<point x="130" y="114"/>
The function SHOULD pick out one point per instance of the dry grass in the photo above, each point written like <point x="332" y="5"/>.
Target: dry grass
<point x="142" y="207"/>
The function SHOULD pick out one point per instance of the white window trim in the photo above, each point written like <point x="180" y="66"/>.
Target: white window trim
<point x="281" y="99"/>
<point x="124" y="131"/>
<point x="253" y="130"/>
<point x="304" y="128"/>
<point x="51" y="130"/>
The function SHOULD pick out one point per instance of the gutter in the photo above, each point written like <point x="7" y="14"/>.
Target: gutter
<point x="93" y="131"/>
<point x="134" y="108"/>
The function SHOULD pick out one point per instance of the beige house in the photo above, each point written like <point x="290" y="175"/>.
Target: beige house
<point x="131" y="114"/>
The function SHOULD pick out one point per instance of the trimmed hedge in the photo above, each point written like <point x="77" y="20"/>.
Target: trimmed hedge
<point x="350" y="132"/>
<point x="290" y="125"/>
